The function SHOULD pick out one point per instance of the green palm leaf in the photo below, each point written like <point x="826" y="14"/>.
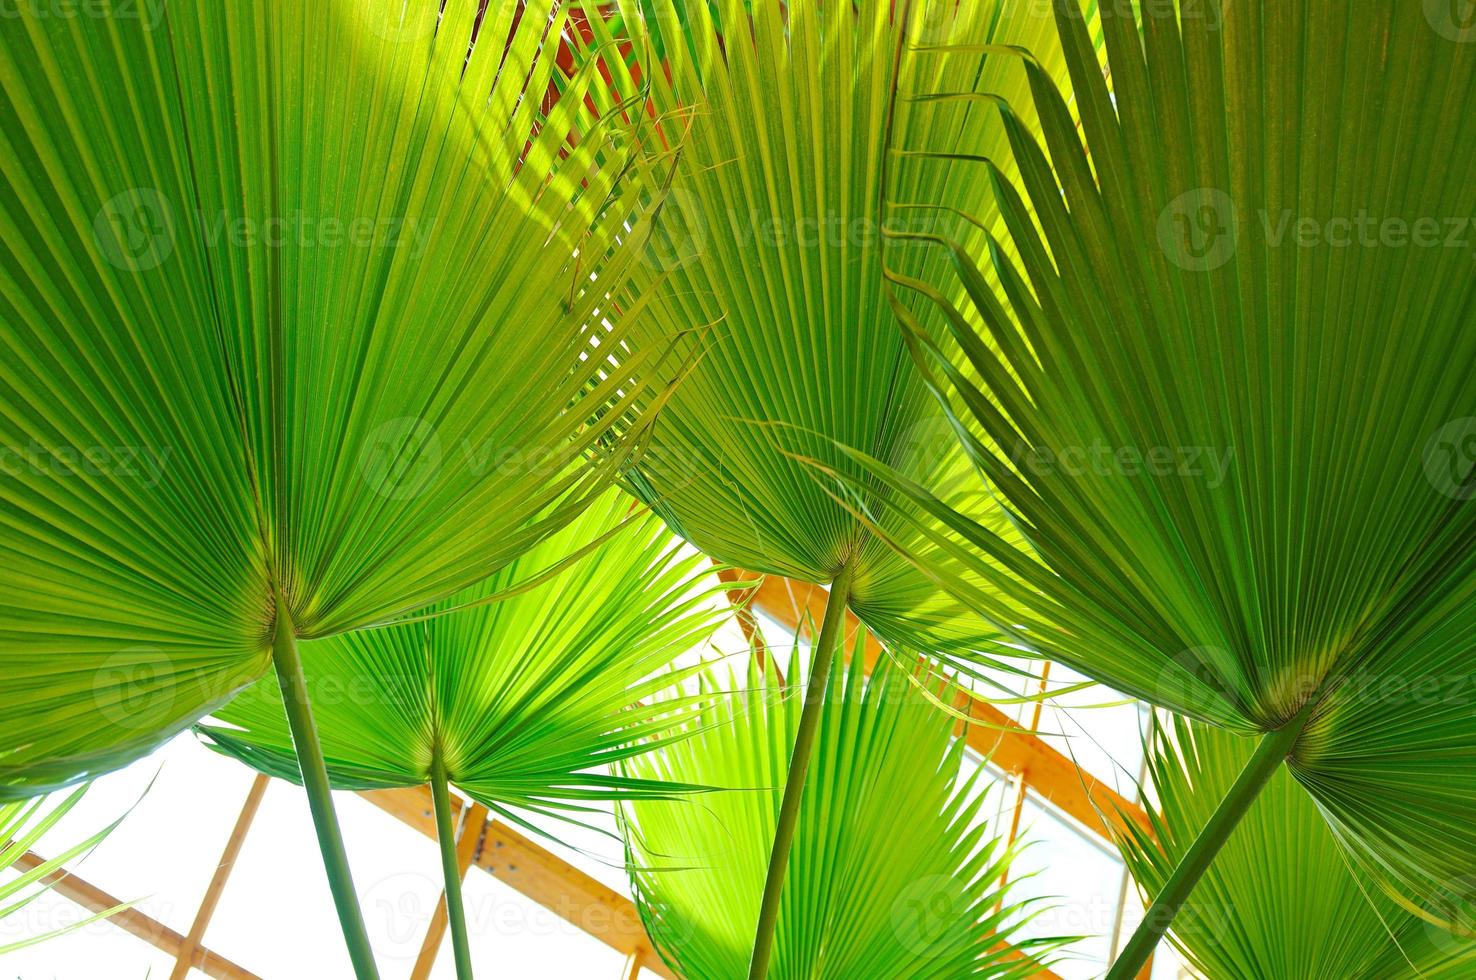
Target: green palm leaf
<point x="524" y="698"/>
<point x="23" y="823"/>
<point x="1315" y="917"/>
<point x="522" y="702"/>
<point x="865" y="896"/>
<point x="299" y="330"/>
<point x="772" y="235"/>
<point x="1241" y="461"/>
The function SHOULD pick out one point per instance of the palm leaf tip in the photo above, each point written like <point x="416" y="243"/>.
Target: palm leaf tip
<point x="922" y="906"/>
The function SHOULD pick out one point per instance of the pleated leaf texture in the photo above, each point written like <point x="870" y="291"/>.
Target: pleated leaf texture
<point x="865" y="895"/>
<point x="772" y="236"/>
<point x="295" y="298"/>
<point x="1242" y="463"/>
<point x="530" y="697"/>
<point x="1316" y="917"/>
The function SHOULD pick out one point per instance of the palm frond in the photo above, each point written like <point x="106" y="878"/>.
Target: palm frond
<point x="298" y="300"/>
<point x="1223" y="393"/>
<point x="862" y="897"/>
<point x="528" y="699"/>
<point x="1281" y="899"/>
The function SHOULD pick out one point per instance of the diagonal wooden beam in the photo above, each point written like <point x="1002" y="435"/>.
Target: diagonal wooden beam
<point x="539" y="874"/>
<point x="186" y="958"/>
<point x="1010" y="746"/>
<point x="469" y="839"/>
<point x="150" y="930"/>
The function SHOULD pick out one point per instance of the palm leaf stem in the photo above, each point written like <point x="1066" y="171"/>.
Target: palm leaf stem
<point x="446" y="838"/>
<point x="822" y="657"/>
<point x="1269" y="755"/>
<point x="320" y="800"/>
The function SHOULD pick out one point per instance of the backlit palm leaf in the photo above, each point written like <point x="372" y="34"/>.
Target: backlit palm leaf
<point x="522" y="702"/>
<point x="1239" y="442"/>
<point x="1315" y="917"/>
<point x="866" y="896"/>
<point x="772" y="236"/>
<point x="299" y="309"/>
<point x="525" y="698"/>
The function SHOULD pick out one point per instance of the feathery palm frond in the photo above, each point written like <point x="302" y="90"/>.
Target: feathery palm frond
<point x="300" y="329"/>
<point x="1314" y="917"/>
<point x="863" y="897"/>
<point x="23" y="824"/>
<point x="1226" y="400"/>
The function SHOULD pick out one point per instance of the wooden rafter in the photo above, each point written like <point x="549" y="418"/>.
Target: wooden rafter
<point x="150" y="930"/>
<point x="469" y="840"/>
<point x="541" y="875"/>
<point x="1010" y="746"/>
<point x="186" y="957"/>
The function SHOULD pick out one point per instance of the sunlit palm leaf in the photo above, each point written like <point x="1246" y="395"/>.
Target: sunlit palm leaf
<point x="529" y="697"/>
<point x="24" y="824"/>
<point x="867" y="895"/>
<point x="1314" y="917"/>
<point x="1242" y="462"/>
<point x="289" y="304"/>
<point x="772" y="235"/>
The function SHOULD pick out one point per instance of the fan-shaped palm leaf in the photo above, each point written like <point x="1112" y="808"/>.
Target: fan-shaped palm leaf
<point x="1227" y="401"/>
<point x="926" y="903"/>
<point x="521" y="702"/>
<point x="23" y="823"/>
<point x="772" y="235"/>
<point x="298" y="320"/>
<point x="1315" y="917"/>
